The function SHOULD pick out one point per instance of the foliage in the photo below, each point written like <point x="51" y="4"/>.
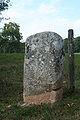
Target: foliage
<point x="66" y="45"/>
<point x="12" y="32"/>
<point x="4" y="4"/>
<point x="10" y="38"/>
<point x="77" y="44"/>
<point x="22" y="47"/>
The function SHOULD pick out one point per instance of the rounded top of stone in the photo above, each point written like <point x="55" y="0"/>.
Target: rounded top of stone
<point x="47" y="34"/>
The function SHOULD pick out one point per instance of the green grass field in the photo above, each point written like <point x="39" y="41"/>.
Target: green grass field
<point x="11" y="89"/>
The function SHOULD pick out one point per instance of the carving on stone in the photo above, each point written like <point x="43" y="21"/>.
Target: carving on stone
<point x="43" y="66"/>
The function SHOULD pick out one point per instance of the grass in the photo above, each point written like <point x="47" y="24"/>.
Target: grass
<point x="11" y="76"/>
<point x="11" y="88"/>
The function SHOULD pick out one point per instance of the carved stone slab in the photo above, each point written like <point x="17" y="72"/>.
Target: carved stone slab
<point x="43" y="64"/>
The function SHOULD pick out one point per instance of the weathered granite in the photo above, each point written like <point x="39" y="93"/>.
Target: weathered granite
<point x="43" y="64"/>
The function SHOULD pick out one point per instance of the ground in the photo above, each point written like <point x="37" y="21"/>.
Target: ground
<point x="11" y="89"/>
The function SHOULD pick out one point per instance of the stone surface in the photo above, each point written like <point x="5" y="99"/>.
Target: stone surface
<point x="46" y="97"/>
<point x="43" y="64"/>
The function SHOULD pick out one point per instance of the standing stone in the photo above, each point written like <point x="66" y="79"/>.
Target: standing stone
<point x="71" y="59"/>
<point x="43" y="68"/>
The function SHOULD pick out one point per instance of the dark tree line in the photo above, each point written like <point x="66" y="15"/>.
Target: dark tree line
<point x="10" y="38"/>
<point x="76" y="44"/>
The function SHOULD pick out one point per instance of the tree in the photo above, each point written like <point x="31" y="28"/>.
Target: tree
<point x="4" y="4"/>
<point x="3" y="44"/>
<point x="11" y="37"/>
